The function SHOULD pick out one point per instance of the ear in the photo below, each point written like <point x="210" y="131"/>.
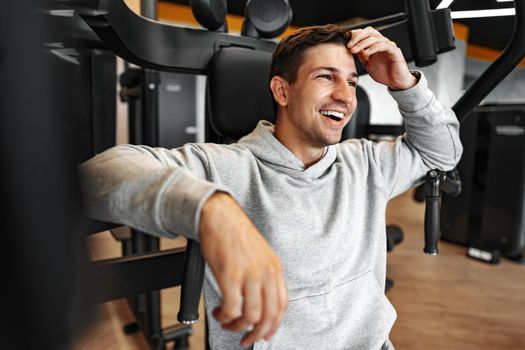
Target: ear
<point x="279" y="87"/>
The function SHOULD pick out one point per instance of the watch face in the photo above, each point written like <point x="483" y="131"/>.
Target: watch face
<point x="416" y="74"/>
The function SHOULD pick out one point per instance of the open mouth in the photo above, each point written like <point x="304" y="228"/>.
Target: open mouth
<point x="334" y="115"/>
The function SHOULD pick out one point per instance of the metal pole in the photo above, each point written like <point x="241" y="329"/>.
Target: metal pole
<point x="498" y="70"/>
<point x="148" y="9"/>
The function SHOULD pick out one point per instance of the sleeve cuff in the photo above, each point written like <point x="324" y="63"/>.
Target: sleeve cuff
<point x="414" y="99"/>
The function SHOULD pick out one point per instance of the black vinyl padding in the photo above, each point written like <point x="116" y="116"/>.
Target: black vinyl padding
<point x="238" y="91"/>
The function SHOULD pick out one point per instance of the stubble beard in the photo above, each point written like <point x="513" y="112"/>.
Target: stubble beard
<point x="312" y="134"/>
<point x="316" y="137"/>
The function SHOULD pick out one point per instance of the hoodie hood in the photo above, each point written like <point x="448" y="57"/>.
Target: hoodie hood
<point x="262" y="144"/>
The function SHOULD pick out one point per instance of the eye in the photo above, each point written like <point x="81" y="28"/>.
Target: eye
<point x="325" y="77"/>
<point x="352" y="83"/>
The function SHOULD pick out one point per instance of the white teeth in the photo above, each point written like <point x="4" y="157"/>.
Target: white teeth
<point x="335" y="114"/>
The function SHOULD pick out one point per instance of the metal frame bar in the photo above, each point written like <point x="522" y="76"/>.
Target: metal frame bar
<point x="135" y="274"/>
<point x="512" y="55"/>
<point x="169" y="48"/>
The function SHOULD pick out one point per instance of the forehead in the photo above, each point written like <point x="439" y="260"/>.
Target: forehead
<point x="328" y="55"/>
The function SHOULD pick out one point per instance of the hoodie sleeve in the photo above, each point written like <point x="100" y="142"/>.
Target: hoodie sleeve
<point x="154" y="190"/>
<point x="431" y="140"/>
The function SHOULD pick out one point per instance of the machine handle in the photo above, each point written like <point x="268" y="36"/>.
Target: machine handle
<point x="432" y="226"/>
<point x="191" y="287"/>
<point x="433" y="181"/>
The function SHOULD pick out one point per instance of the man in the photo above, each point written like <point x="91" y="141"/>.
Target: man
<point x="291" y="222"/>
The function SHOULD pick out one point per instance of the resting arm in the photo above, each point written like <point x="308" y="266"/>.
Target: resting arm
<point x="154" y="190"/>
<point x="166" y="192"/>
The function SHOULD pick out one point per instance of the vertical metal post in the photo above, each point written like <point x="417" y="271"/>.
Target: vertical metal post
<point x="150" y="107"/>
<point x="152" y="312"/>
<point x="147" y="129"/>
<point x="150" y="82"/>
<point x="421" y="32"/>
<point x="135" y="122"/>
<point x="148" y="8"/>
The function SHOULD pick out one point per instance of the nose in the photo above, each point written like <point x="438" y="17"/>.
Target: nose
<point x="343" y="92"/>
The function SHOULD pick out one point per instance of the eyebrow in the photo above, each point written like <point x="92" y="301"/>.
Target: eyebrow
<point x="334" y="70"/>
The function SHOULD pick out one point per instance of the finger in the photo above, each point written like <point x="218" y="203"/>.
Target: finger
<point x="252" y="307"/>
<point x="282" y="304"/>
<point x="356" y="37"/>
<point x="387" y="47"/>
<point x="269" y="307"/>
<point x="361" y="34"/>
<point x="231" y="303"/>
<point x="283" y="292"/>
<point x="257" y="333"/>
<point x="365" y="54"/>
<point x="366" y="43"/>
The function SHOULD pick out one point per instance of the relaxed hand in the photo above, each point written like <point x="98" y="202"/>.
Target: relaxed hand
<point x="247" y="270"/>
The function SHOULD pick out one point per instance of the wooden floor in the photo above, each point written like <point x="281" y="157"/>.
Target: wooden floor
<point x="443" y="302"/>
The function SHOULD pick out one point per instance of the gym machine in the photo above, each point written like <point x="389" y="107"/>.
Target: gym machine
<point x="54" y="249"/>
<point x="163" y="47"/>
<point x="489" y="217"/>
<point x="166" y="47"/>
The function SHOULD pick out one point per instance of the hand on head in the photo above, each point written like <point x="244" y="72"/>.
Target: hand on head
<point x="382" y="59"/>
<point x="247" y="270"/>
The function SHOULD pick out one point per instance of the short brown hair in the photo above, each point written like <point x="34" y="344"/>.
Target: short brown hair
<point x="289" y="54"/>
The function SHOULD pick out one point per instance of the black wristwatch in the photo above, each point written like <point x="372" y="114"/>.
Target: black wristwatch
<point x="416" y="74"/>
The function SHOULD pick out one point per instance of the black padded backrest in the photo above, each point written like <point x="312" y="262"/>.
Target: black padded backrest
<point x="238" y="93"/>
<point x="356" y="127"/>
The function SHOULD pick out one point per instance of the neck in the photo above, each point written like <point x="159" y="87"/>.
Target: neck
<point x="308" y="154"/>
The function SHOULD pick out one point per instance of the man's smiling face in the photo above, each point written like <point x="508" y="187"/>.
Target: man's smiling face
<point x="322" y="98"/>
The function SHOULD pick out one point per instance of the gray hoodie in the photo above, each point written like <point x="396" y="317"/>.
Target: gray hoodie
<point x="326" y="222"/>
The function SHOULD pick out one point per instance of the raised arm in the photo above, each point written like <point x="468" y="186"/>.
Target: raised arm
<point x="432" y="130"/>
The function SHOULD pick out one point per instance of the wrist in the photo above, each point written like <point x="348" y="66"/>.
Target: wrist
<point x="211" y="211"/>
<point x="410" y="80"/>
